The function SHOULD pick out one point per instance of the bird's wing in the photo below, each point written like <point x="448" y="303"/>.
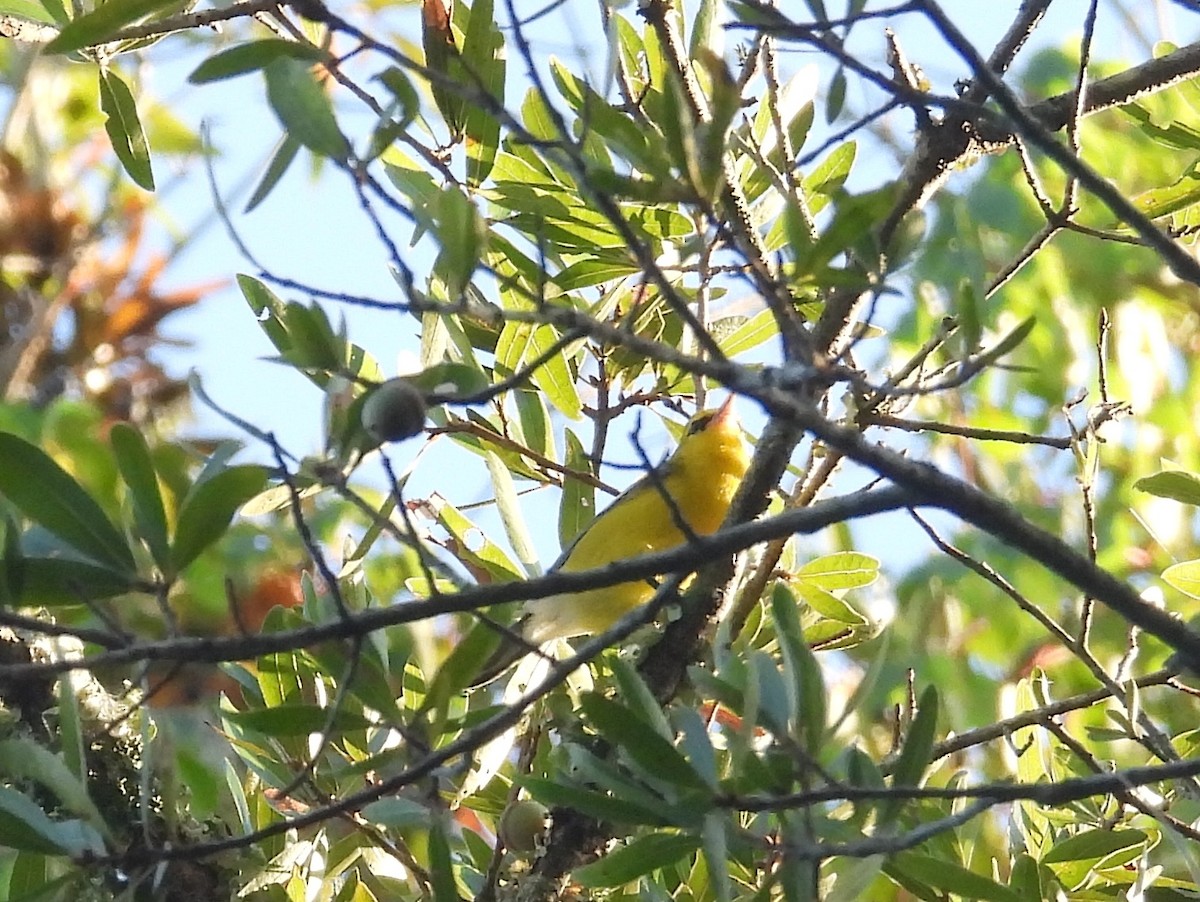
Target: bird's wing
<point x="657" y="474"/>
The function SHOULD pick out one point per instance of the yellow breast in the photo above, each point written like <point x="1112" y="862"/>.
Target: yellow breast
<point x="700" y="479"/>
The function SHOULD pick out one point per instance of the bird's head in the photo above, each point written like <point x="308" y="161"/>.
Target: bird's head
<point x="714" y="439"/>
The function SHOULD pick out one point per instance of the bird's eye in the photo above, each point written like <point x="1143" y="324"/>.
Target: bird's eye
<point x="699" y="424"/>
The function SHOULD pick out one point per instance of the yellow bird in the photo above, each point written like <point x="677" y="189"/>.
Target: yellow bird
<point x="700" y="479"/>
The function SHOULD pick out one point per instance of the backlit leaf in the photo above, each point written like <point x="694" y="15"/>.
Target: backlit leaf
<point x="125" y="128"/>
<point x="45" y="493"/>
<point x="209" y="509"/>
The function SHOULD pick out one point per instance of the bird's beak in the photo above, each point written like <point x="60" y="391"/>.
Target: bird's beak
<point x="726" y="415"/>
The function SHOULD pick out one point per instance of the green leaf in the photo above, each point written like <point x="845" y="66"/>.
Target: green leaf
<point x="269" y="309"/>
<point x="71" y="732"/>
<point x="314" y="343"/>
<point x="57" y="10"/>
<point x="137" y="469"/>
<point x="1174" y="132"/>
<point x="397" y="811"/>
<point x="1025" y="878"/>
<point x="295" y="720"/>
<point x="304" y="108"/>
<point x="441" y="867"/>
<point x="415" y="184"/>
<point x="462" y="665"/>
<point x="509" y="508"/>
<point x="449" y="381"/>
<point x="470" y="545"/>
<point x="641" y="856"/>
<point x="578" y="505"/>
<point x="483" y="54"/>
<point x="619" y="131"/>
<point x="489" y="438"/>
<point x="750" y="334"/>
<point x="852" y="224"/>
<point x="706" y="28"/>
<point x="795" y="109"/>
<point x="23" y="759"/>
<point x="1076" y="858"/>
<point x="1180" y="195"/>
<point x="952" y="878"/>
<point x="521" y="342"/>
<point x="654" y="755"/>
<point x="1009" y="342"/>
<point x="442" y="57"/>
<point x="1178" y="485"/>
<point x="306" y="339"/>
<point x="125" y="128"/>
<point x="31" y="10"/>
<point x="843" y="570"/>
<point x="777" y="702"/>
<point x="696" y="745"/>
<point x="915" y="756"/>
<point x="1093" y="845"/>
<point x="1184" y="576"/>
<point x="716" y="855"/>
<point x="44" y="492"/>
<point x="853" y="877"/>
<point x="29" y="880"/>
<point x="827" y="604"/>
<point x="827" y="177"/>
<point x="592" y="271"/>
<point x="209" y="509"/>
<point x="801" y="665"/>
<point x="102" y="23"/>
<point x="12" y="565"/>
<point x="251" y="57"/>
<point x="403" y="93"/>
<point x="461" y="233"/>
<point x="24" y="826"/>
<point x="55" y="574"/>
<point x="596" y="804"/>
<point x="836" y="97"/>
<point x="641" y="701"/>
<point x="532" y="426"/>
<point x="281" y="159"/>
<point x="195" y="771"/>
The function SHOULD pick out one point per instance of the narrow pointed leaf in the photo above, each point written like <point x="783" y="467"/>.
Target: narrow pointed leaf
<point x="654" y="754"/>
<point x="101" y="23"/>
<point x="304" y="108"/>
<point x="596" y="804"/>
<point x="509" y="508"/>
<point x="46" y="494"/>
<point x="914" y="757"/>
<point x="578" y="506"/>
<point x="209" y="509"/>
<point x="280" y="160"/>
<point x="483" y="54"/>
<point x="125" y="128"/>
<point x="250" y="57"/>
<point x="641" y="856"/>
<point x="1178" y="485"/>
<point x="952" y="878"/>
<point x="23" y="759"/>
<point x="442" y="57"/>
<point x="137" y="469"/>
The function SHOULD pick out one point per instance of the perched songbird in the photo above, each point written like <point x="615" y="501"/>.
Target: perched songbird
<point x="700" y="480"/>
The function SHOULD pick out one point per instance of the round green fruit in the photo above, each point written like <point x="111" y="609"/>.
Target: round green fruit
<point x="394" y="411"/>
<point x="522" y="825"/>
